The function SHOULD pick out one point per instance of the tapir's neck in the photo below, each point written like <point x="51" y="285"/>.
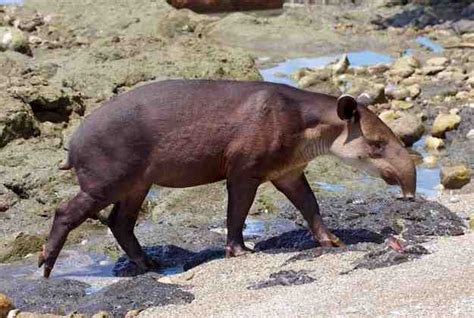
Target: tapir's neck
<point x="316" y="142"/>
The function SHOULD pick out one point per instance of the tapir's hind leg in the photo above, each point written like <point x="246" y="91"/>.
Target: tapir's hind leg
<point x="241" y="194"/>
<point x="122" y="221"/>
<point x="67" y="217"/>
<point x="296" y="188"/>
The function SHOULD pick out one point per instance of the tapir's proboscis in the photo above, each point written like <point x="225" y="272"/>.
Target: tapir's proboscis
<point x="184" y="133"/>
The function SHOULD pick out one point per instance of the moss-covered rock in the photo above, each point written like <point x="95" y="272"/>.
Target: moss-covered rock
<point x="23" y="245"/>
<point x="455" y="177"/>
<point x="14" y="40"/>
<point x="16" y="121"/>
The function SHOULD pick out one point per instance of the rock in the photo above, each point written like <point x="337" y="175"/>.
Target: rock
<point x="341" y="66"/>
<point x="471" y="221"/>
<point x="33" y="39"/>
<point x="468" y="12"/>
<point x="443" y="123"/>
<point x="50" y="103"/>
<point x="102" y="314"/>
<point x="452" y="76"/>
<point x="438" y="61"/>
<point x="217" y="6"/>
<point x="406" y="62"/>
<point x="372" y="93"/>
<point x="402" y="72"/>
<point x="433" y="143"/>
<point x="312" y="78"/>
<point x="401" y="104"/>
<point x="181" y="21"/>
<point x="414" y="90"/>
<point x="396" y="92"/>
<point x="455" y="177"/>
<point x="408" y="128"/>
<point x="463" y="26"/>
<point x="470" y="134"/>
<point x="5" y="305"/>
<point x="23" y="245"/>
<point x="432" y="70"/>
<point x="132" y="313"/>
<point x="13" y="313"/>
<point x="16" y="121"/>
<point x="430" y="161"/>
<point x="388" y="116"/>
<point x="14" y="40"/>
<point x="377" y="69"/>
<point x="412" y="80"/>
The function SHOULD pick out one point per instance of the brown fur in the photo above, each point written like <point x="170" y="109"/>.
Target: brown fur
<point x="186" y="133"/>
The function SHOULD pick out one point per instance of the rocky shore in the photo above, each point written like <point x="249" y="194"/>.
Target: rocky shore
<point x="59" y="60"/>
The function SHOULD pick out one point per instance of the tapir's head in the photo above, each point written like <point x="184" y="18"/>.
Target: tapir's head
<point x="365" y="142"/>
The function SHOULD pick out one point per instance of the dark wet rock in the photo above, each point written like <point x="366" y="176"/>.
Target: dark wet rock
<point x="168" y="257"/>
<point x="371" y="220"/>
<point x="62" y="296"/>
<point x="312" y="253"/>
<point x="284" y="278"/>
<point x="56" y="296"/>
<point x="468" y="12"/>
<point x="137" y="293"/>
<point x="389" y="257"/>
<point x="217" y="6"/>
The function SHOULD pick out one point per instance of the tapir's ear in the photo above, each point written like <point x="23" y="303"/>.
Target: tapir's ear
<point x="346" y="107"/>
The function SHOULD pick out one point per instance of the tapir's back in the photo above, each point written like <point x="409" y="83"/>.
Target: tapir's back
<point x="174" y="127"/>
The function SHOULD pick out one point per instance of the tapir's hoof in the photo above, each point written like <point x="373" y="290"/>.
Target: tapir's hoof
<point x="235" y="251"/>
<point x="333" y="241"/>
<point x="130" y="268"/>
<point x="47" y="271"/>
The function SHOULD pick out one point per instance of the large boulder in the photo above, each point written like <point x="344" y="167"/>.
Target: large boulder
<point x="444" y="123"/>
<point x="455" y="177"/>
<point x="407" y="127"/>
<point x="14" y="40"/>
<point x="16" y="120"/>
<point x="50" y="103"/>
<point x="226" y="5"/>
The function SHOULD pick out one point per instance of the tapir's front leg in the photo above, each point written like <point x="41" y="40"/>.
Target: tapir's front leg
<point x="296" y="188"/>
<point x="241" y="193"/>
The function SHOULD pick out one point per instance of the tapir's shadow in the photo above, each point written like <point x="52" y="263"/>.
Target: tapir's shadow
<point x="302" y="239"/>
<point x="173" y="259"/>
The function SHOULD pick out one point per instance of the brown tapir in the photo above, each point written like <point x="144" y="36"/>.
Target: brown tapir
<point x="184" y="133"/>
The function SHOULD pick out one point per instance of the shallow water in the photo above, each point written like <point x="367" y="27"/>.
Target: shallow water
<point x="289" y="66"/>
<point x="11" y="2"/>
<point x="429" y="44"/>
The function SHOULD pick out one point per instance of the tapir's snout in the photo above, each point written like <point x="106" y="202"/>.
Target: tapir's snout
<point x="401" y="171"/>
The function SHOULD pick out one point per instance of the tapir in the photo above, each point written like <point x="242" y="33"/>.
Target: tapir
<point x="184" y="133"/>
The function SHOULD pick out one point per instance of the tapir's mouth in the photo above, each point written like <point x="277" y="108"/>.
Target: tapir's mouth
<point x="392" y="179"/>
